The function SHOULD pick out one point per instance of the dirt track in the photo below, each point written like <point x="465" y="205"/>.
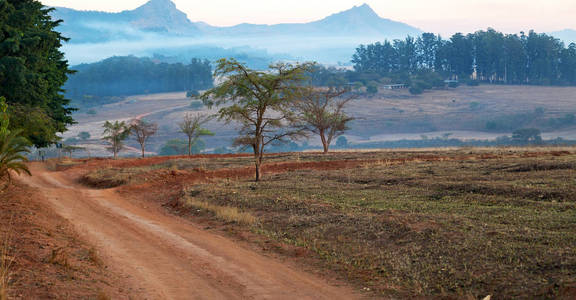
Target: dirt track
<point x="169" y="258"/>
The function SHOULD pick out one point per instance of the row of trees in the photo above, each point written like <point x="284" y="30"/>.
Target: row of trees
<point x="115" y="133"/>
<point x="490" y="56"/>
<point x="271" y="107"/>
<point x="130" y="75"/>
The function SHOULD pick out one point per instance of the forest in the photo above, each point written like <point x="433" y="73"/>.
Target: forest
<point x="484" y="56"/>
<point x="130" y="75"/>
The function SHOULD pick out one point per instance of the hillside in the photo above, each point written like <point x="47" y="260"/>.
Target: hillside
<point x="463" y="113"/>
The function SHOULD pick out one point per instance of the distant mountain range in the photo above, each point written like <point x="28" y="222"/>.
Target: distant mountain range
<point x="162" y="16"/>
<point x="159" y="27"/>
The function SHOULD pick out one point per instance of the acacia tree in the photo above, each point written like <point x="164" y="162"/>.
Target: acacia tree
<point x="323" y="112"/>
<point x="260" y="101"/>
<point x="191" y="126"/>
<point x="12" y="145"/>
<point x="143" y="130"/>
<point x="115" y="133"/>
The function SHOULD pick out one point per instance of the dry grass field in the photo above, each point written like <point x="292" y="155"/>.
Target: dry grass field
<point x="456" y="224"/>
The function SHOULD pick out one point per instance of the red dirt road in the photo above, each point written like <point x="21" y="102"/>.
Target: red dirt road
<point x="169" y="258"/>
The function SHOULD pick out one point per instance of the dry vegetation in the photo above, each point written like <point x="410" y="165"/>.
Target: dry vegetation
<point x="502" y="227"/>
<point x="458" y="223"/>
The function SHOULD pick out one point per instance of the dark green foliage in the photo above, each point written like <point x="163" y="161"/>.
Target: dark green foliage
<point x="372" y="88"/>
<point x="84" y="135"/>
<point x="123" y="76"/>
<point x="33" y="70"/>
<point x="12" y="148"/>
<point x="416" y="90"/>
<point x="472" y="82"/>
<point x="536" y="59"/>
<point x="527" y="136"/>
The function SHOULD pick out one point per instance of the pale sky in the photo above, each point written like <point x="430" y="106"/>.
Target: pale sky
<point x="440" y="16"/>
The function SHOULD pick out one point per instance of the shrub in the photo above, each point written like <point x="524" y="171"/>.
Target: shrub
<point x="473" y="82"/>
<point x="416" y="90"/>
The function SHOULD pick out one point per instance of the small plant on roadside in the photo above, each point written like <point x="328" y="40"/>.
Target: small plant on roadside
<point x="12" y="147"/>
<point x="6" y="262"/>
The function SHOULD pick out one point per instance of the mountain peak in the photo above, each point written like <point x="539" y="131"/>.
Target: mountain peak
<point x="160" y="5"/>
<point x="363" y="10"/>
<point x="162" y="16"/>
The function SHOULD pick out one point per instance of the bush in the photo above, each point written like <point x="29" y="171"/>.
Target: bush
<point x="453" y="84"/>
<point x="372" y="88"/>
<point x="473" y="82"/>
<point x="416" y="90"/>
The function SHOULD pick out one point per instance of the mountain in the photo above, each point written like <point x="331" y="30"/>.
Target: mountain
<point x="158" y="27"/>
<point x="358" y="21"/>
<point x="567" y="35"/>
<point x="156" y="16"/>
<point x="162" y="16"/>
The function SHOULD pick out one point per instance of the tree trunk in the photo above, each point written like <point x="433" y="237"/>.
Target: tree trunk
<point x="324" y="142"/>
<point x="189" y="146"/>
<point x="143" y="151"/>
<point x="258" y="171"/>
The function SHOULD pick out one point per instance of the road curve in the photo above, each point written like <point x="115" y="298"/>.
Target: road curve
<point x="168" y="257"/>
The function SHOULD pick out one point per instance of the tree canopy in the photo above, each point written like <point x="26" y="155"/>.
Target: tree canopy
<point x="130" y="75"/>
<point x="261" y="102"/>
<point x="488" y="56"/>
<point x="33" y="71"/>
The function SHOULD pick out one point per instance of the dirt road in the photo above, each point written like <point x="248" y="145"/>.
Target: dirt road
<point x="169" y="258"/>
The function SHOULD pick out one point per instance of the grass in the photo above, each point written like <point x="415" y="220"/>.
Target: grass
<point x="223" y="213"/>
<point x="6" y="261"/>
<point x="502" y="226"/>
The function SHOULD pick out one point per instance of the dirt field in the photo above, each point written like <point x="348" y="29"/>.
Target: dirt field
<point x="459" y="223"/>
<point x="49" y="260"/>
<point x="390" y="115"/>
<point x="163" y="257"/>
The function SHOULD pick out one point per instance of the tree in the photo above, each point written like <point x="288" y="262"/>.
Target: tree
<point x="12" y="145"/>
<point x="84" y="135"/>
<point x="115" y="133"/>
<point x="323" y="113"/>
<point x="33" y="71"/>
<point x="342" y="142"/>
<point x="260" y="101"/>
<point x="143" y="130"/>
<point x="527" y="136"/>
<point x="191" y="126"/>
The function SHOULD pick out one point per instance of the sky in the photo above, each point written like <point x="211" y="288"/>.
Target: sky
<point x="439" y="16"/>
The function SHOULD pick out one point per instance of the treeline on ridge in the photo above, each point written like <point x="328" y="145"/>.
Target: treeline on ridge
<point x="483" y="56"/>
<point x="130" y="75"/>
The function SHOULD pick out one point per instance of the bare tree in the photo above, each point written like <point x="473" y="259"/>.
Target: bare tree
<point x="115" y="133"/>
<point x="323" y="112"/>
<point x="191" y="126"/>
<point x="260" y="101"/>
<point x="143" y="130"/>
